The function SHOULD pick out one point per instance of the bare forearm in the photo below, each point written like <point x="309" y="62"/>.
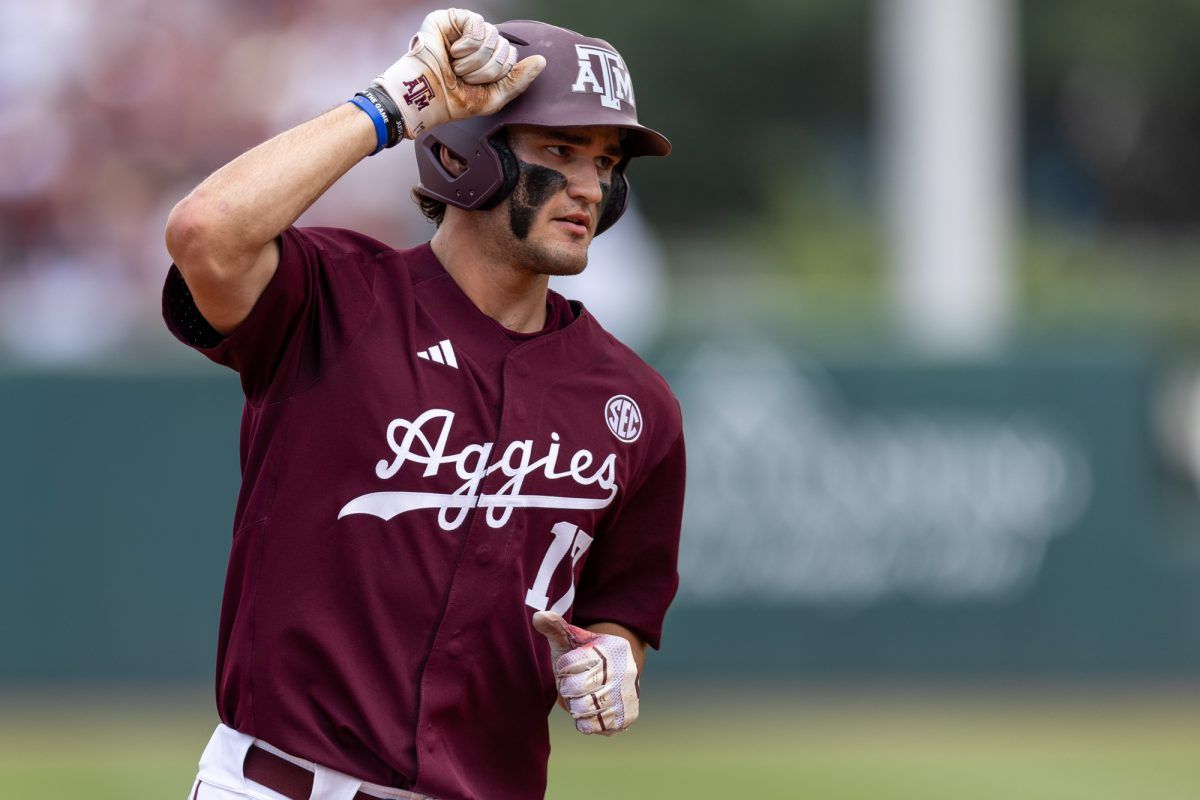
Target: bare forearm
<point x="252" y="199"/>
<point x="222" y="235"/>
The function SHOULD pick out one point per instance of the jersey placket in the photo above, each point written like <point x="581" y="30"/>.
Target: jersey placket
<point x="489" y="560"/>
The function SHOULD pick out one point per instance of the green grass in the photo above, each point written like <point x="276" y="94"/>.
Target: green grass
<point x="888" y="745"/>
<point x="698" y="743"/>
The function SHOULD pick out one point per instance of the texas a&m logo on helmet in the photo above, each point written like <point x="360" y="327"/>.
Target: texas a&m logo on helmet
<point x="603" y="72"/>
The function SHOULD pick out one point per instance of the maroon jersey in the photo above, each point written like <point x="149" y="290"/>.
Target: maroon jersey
<point x="416" y="482"/>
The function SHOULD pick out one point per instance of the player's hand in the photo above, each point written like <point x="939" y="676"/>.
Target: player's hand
<point x="596" y="675"/>
<point x="458" y="66"/>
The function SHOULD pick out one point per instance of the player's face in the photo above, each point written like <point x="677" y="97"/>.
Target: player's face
<point x="553" y="211"/>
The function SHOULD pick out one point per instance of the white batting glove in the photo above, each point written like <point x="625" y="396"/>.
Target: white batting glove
<point x="595" y="672"/>
<point x="458" y="66"/>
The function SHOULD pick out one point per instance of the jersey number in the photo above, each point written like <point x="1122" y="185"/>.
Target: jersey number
<point x="568" y="538"/>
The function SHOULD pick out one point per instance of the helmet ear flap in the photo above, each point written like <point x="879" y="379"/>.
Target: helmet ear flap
<point x="509" y="168"/>
<point x="618" y="198"/>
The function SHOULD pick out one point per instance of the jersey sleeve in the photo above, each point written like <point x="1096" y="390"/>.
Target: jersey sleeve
<point x="310" y="310"/>
<point x="632" y="575"/>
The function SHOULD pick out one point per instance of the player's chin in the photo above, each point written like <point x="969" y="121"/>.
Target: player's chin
<point x="559" y="255"/>
<point x="565" y="264"/>
<point x="561" y="261"/>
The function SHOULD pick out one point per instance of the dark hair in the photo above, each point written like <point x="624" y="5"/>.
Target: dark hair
<point x="434" y="210"/>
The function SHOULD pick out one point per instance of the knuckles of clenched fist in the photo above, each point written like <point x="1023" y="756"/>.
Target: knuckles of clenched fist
<point x="458" y="66"/>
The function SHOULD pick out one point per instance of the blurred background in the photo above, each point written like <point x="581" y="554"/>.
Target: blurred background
<point x="921" y="273"/>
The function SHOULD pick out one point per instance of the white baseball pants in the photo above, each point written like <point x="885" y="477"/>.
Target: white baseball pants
<point x="221" y="778"/>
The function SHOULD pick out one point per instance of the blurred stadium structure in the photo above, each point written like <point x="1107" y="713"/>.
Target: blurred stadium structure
<point x="921" y="272"/>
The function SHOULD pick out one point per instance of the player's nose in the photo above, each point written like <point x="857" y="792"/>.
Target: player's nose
<point x="584" y="184"/>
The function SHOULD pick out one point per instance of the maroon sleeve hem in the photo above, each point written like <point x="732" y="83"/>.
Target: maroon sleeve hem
<point x="189" y="325"/>
<point x="632" y="575"/>
<point x="310" y="309"/>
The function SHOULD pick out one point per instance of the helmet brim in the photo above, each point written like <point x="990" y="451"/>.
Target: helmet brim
<point x="642" y="141"/>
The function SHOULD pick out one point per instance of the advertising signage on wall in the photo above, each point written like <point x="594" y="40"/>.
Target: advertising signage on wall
<point x="795" y="496"/>
<point x="883" y="516"/>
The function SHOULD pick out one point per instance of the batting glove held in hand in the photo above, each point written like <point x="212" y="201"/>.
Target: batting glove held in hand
<point x="458" y="66"/>
<point x="595" y="672"/>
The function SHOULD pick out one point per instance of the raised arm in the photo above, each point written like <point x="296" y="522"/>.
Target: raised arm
<point x="222" y="236"/>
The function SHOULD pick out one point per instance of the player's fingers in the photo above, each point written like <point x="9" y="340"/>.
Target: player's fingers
<point x="597" y="726"/>
<point x="520" y="76"/>
<point x="612" y="715"/>
<point x="473" y="52"/>
<point x="591" y="705"/>
<point x="591" y="725"/>
<point x="480" y="55"/>
<point x="554" y="628"/>
<point x="496" y="66"/>
<point x="438" y="30"/>
<point x="584" y="659"/>
<point x="560" y="632"/>
<point x="471" y="63"/>
<point x="467" y="31"/>
<point x="582" y="683"/>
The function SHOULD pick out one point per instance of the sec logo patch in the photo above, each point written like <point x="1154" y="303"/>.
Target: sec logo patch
<point x="624" y="418"/>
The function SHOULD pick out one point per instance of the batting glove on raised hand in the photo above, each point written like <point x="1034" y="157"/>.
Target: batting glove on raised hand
<point x="595" y="672"/>
<point x="458" y="66"/>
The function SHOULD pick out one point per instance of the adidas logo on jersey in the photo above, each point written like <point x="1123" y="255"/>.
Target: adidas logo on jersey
<point x="442" y="353"/>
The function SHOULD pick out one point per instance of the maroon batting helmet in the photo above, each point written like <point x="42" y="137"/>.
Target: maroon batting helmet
<point x="585" y="82"/>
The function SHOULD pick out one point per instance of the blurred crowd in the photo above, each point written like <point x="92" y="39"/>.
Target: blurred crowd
<point x="112" y="111"/>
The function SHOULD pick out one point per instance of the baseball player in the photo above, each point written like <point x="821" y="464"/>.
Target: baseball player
<point x="460" y="496"/>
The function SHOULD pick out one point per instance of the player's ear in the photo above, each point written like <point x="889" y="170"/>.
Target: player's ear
<point x="451" y="161"/>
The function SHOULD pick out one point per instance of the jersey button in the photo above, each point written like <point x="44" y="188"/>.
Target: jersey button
<point x="483" y="555"/>
<point x="455" y="649"/>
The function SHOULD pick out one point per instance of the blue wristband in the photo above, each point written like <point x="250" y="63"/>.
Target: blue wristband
<point x="381" y="134"/>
